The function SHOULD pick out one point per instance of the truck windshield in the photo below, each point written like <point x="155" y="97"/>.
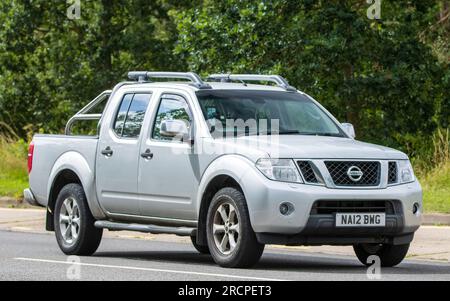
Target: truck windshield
<point x="244" y="113"/>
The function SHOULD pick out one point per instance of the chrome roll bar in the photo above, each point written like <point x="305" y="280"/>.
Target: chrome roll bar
<point x="83" y="115"/>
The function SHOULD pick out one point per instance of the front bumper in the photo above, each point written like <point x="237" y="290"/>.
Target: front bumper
<point x="342" y="240"/>
<point x="265" y="196"/>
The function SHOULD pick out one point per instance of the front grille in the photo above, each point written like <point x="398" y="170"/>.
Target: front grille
<point x="392" y="173"/>
<point x="331" y="207"/>
<point x="339" y="171"/>
<point x="307" y="172"/>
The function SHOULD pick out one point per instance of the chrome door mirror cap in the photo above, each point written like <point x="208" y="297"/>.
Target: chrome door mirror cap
<point x="174" y="129"/>
<point x="349" y="129"/>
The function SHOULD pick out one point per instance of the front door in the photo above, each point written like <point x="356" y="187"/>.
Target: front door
<point x="168" y="175"/>
<point x="118" y="156"/>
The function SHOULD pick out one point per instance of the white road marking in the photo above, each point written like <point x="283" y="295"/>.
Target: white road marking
<point x="148" y="269"/>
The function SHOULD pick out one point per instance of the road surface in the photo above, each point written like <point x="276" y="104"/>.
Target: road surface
<point x="36" y="256"/>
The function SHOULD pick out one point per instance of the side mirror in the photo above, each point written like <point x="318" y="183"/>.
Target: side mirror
<point x="176" y="129"/>
<point x="349" y="129"/>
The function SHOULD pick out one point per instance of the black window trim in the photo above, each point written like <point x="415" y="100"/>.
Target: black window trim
<point x="150" y="93"/>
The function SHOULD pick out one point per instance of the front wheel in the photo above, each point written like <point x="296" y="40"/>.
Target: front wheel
<point x="230" y="236"/>
<point x="390" y="255"/>
<point x="74" y="224"/>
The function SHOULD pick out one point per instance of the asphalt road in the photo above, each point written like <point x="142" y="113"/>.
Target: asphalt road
<point x="31" y="256"/>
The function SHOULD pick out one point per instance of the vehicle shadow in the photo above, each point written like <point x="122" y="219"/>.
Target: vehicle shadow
<point x="329" y="264"/>
<point x="281" y="262"/>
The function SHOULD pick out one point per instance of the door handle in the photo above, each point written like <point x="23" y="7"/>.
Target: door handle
<point x="107" y="152"/>
<point x="148" y="155"/>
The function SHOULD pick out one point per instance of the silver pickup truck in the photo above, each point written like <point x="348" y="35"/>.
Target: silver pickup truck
<point x="231" y="164"/>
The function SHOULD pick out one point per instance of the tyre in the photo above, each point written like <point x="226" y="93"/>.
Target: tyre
<point x="230" y="236"/>
<point x="74" y="224"/>
<point x="201" y="249"/>
<point x="390" y="255"/>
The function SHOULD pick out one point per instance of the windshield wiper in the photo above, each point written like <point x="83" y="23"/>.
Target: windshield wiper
<point x="287" y="132"/>
<point x="296" y="132"/>
<point x="329" y="135"/>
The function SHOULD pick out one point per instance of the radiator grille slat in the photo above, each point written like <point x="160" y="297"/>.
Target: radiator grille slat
<point x="392" y="173"/>
<point x="307" y="172"/>
<point x="331" y="207"/>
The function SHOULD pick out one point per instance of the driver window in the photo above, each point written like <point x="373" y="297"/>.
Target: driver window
<point x="171" y="108"/>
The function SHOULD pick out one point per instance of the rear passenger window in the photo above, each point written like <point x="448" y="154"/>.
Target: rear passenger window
<point x="122" y="114"/>
<point x="131" y="115"/>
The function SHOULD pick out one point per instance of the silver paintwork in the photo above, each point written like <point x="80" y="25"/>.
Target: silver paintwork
<point x="168" y="189"/>
<point x="349" y="129"/>
<point x="169" y="192"/>
<point x="54" y="154"/>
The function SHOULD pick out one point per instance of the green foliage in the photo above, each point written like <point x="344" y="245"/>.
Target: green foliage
<point x="429" y="154"/>
<point x="50" y="66"/>
<point x="13" y="167"/>
<point x="432" y="167"/>
<point x="378" y="75"/>
<point x="436" y="187"/>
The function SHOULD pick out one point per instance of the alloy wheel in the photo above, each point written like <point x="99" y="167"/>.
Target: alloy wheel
<point x="69" y="220"/>
<point x="226" y="228"/>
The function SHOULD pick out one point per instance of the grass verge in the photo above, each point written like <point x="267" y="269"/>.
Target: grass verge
<point x="436" y="189"/>
<point x="13" y="168"/>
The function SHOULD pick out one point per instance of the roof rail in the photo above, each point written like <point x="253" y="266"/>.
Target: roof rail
<point x="278" y="80"/>
<point x="145" y="76"/>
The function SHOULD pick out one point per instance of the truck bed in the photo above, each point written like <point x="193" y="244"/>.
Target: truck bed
<point x="48" y="149"/>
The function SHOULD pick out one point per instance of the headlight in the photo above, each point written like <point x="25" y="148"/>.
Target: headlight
<point x="283" y="170"/>
<point x="406" y="172"/>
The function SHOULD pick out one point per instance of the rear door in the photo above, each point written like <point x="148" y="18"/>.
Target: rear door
<point x="118" y="156"/>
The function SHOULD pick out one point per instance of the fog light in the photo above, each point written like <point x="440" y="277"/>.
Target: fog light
<point x="286" y="208"/>
<point x="416" y="208"/>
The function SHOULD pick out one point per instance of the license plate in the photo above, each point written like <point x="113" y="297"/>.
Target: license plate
<point x="360" y="219"/>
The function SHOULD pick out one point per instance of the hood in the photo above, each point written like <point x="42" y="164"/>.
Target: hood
<point x="315" y="147"/>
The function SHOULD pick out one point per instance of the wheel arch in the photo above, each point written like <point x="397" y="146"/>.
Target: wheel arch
<point x="63" y="178"/>
<point x="217" y="183"/>
<point x="70" y="168"/>
<point x="226" y="171"/>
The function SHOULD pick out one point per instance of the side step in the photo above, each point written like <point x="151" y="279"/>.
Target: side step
<point x="180" y="231"/>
